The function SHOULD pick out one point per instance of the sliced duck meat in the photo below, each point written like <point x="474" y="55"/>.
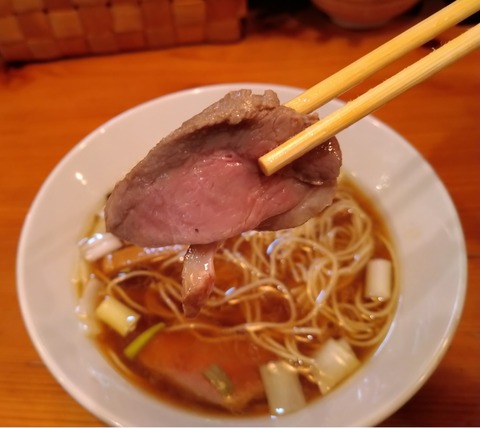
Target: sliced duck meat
<point x="202" y="184"/>
<point x="184" y="360"/>
<point x="198" y="277"/>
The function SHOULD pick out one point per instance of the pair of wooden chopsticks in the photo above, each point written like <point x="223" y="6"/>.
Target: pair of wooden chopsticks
<point x="353" y="74"/>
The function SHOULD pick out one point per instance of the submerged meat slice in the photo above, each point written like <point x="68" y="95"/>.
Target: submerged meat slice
<point x="181" y="359"/>
<point x="198" y="276"/>
<point x="201" y="184"/>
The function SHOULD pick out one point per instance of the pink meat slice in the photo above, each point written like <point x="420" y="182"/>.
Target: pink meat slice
<point x="182" y="359"/>
<point x="201" y="184"/>
<point x="198" y="277"/>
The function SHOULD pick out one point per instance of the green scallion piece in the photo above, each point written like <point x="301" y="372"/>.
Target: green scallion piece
<point x="219" y="379"/>
<point x="137" y="344"/>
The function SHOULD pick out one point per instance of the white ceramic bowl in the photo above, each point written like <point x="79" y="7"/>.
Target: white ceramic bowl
<point x="419" y="211"/>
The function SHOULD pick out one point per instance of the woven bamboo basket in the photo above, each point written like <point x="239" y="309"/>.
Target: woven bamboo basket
<point x="35" y="30"/>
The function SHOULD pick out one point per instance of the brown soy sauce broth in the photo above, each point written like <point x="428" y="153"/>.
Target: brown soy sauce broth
<point x="109" y="341"/>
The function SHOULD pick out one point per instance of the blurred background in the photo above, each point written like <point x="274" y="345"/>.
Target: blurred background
<point x="39" y="30"/>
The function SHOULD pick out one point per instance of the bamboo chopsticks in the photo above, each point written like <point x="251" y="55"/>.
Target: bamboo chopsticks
<point x="382" y="93"/>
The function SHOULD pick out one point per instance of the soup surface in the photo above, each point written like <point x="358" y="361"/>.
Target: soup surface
<point x="285" y="307"/>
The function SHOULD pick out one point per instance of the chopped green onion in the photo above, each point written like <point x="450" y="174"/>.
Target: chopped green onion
<point x="335" y="360"/>
<point x="99" y="245"/>
<point x="282" y="387"/>
<point x="137" y="344"/>
<point x="117" y="315"/>
<point x="378" y="281"/>
<point x="219" y="379"/>
<point x="85" y="309"/>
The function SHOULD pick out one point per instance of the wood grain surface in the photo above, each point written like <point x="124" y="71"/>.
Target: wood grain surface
<point x="46" y="108"/>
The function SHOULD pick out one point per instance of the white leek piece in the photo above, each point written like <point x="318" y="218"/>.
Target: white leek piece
<point x="99" y="245"/>
<point x="81" y="272"/>
<point x="282" y="387"/>
<point x="87" y="303"/>
<point x="335" y="360"/>
<point x="117" y="315"/>
<point x="378" y="281"/>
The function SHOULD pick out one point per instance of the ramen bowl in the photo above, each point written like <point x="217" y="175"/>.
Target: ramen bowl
<point x="417" y="209"/>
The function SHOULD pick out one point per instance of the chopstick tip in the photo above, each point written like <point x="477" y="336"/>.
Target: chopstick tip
<point x="266" y="165"/>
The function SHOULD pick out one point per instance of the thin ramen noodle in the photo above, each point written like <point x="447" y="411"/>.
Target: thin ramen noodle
<point x="285" y="292"/>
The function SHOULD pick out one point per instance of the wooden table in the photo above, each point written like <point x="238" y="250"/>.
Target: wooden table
<point x="45" y="109"/>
